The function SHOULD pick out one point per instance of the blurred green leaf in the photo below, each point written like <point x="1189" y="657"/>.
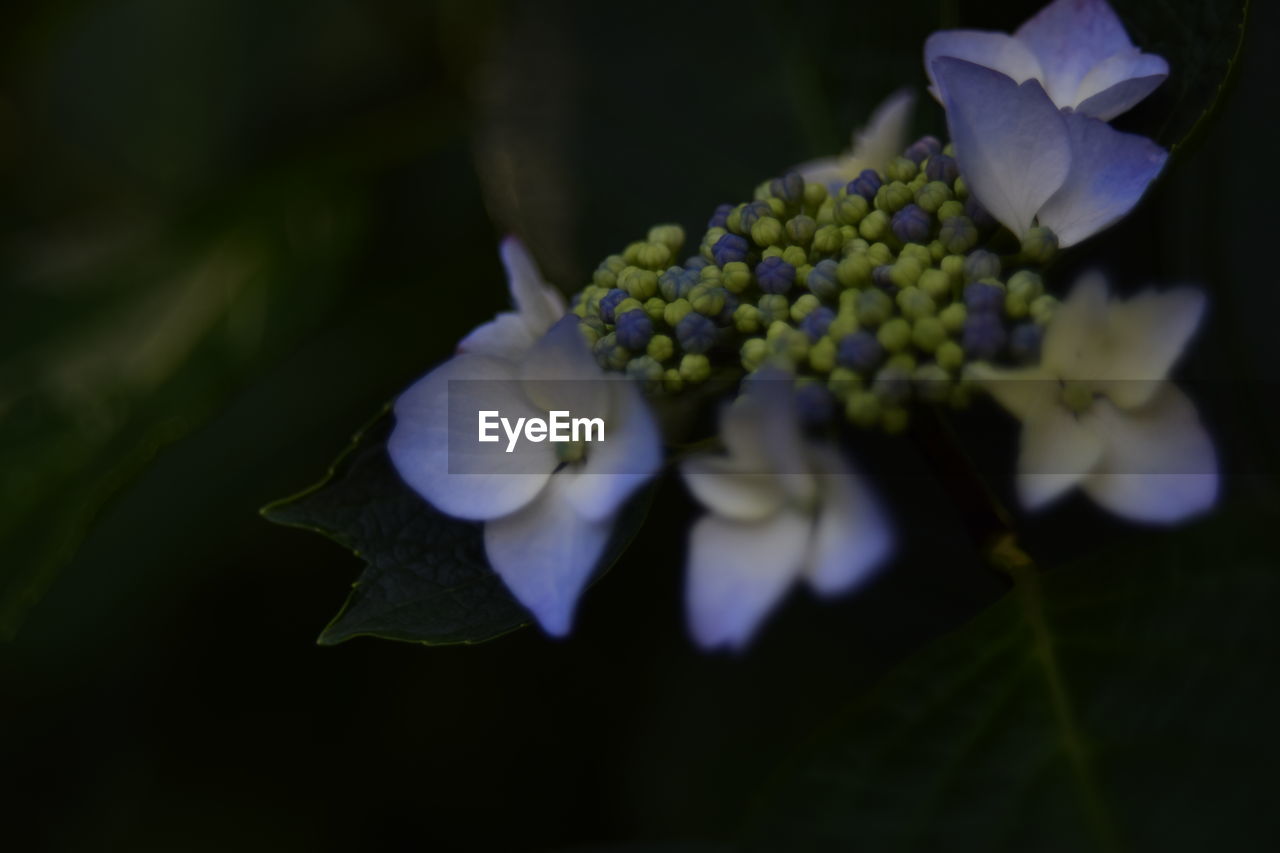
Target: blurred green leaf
<point x="426" y="579"/>
<point x="1114" y="704"/>
<point x="1202" y="42"/>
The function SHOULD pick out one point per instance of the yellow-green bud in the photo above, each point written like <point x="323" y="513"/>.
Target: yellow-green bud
<point x="711" y="272"/>
<point x="661" y="347"/>
<point x="695" y="368"/>
<point x="709" y="240"/>
<point x="767" y="231"/>
<point x="928" y="333"/>
<point x="901" y="169"/>
<point x="936" y="283"/>
<point x="902" y="362"/>
<point x="656" y="308"/>
<point x="915" y="303"/>
<point x="736" y="276"/>
<point x="654" y="256"/>
<point x="863" y="408"/>
<point x="641" y="284"/>
<point x="1016" y="305"/>
<point x="802" y="274"/>
<point x="828" y="239"/>
<point x="814" y="195"/>
<point x="671" y="236"/>
<point x="707" y="299"/>
<point x="746" y="319"/>
<point x="961" y="188"/>
<point x="795" y="256"/>
<point x="950" y="356"/>
<point x="892" y="197"/>
<point x="822" y="355"/>
<point x="604" y="278"/>
<point x="937" y="251"/>
<point x="843" y="381"/>
<point x="676" y="311"/>
<point x="672" y="382"/>
<point x="850" y="210"/>
<point x="1042" y="308"/>
<point x="894" y="334"/>
<point x="778" y="206"/>
<point x="953" y="317"/>
<point x="631" y="254"/>
<point x="773" y="307"/>
<point x="626" y="305"/>
<point x="905" y="272"/>
<point x="845" y="323"/>
<point x="590" y="334"/>
<point x="772" y="252"/>
<point x="826" y="213"/>
<point x="953" y="265"/>
<point x="754" y="352"/>
<point x="875" y="225"/>
<point x="932" y="196"/>
<point x="800" y="229"/>
<point x="803" y="306"/>
<point x="854" y="270"/>
<point x="1039" y="245"/>
<point x="950" y="210"/>
<point x="879" y="254"/>
<point x="734" y="220"/>
<point x="873" y="307"/>
<point x="792" y="345"/>
<point x="1026" y="284"/>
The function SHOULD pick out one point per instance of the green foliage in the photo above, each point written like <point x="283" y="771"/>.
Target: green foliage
<point x="1094" y="707"/>
<point x="426" y="579"/>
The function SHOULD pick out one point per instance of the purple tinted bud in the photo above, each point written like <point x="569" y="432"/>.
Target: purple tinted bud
<point x="981" y="264"/>
<point x="634" y="330"/>
<point x="729" y="248"/>
<point x="975" y="211"/>
<point x="731" y="303"/>
<point x="817" y="321"/>
<point x="696" y="333"/>
<point x="882" y="276"/>
<point x="753" y="212"/>
<point x="925" y="146"/>
<point x="775" y="275"/>
<point x="813" y="403"/>
<point x="610" y="302"/>
<point x="865" y="184"/>
<point x="685" y="282"/>
<point x="696" y="262"/>
<point x="859" y="351"/>
<point x="911" y="224"/>
<point x="1024" y="342"/>
<point x="720" y="217"/>
<point x="822" y="281"/>
<point x="789" y="188"/>
<point x="669" y="283"/>
<point x="983" y="298"/>
<point x="942" y="167"/>
<point x="984" y="335"/>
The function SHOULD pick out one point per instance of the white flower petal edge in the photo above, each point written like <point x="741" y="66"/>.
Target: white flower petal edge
<point x="874" y="146"/>
<point x="781" y="510"/>
<point x="1100" y="413"/>
<point x="538" y="305"/>
<point x="1077" y="50"/>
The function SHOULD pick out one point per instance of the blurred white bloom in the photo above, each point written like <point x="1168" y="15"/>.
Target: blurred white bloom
<point x="1077" y="50"/>
<point x="781" y="510"/>
<point x="874" y="146"/>
<point x="538" y="305"/>
<point x="1099" y="413"/>
<point x="548" y="507"/>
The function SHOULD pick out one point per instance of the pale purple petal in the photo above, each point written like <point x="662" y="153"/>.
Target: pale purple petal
<point x="720" y="484"/>
<point x="1058" y="451"/>
<point x="1118" y="83"/>
<point x="629" y="456"/>
<point x="738" y="572"/>
<point x="546" y="553"/>
<point x="997" y="51"/>
<point x="852" y="538"/>
<point x="1075" y="343"/>
<point x="435" y="445"/>
<point x="1146" y="335"/>
<point x="1109" y="172"/>
<point x="1159" y="465"/>
<point x="537" y="302"/>
<point x="1070" y="37"/>
<point x="1011" y="142"/>
<point x="505" y="336"/>
<point x="560" y="373"/>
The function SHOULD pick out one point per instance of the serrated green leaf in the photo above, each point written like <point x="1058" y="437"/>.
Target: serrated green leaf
<point x="1110" y="705"/>
<point x="426" y="579"/>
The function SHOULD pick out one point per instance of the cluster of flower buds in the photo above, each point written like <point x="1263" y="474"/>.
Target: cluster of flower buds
<point x="872" y="297"/>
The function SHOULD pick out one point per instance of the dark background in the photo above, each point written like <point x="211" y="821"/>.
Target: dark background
<point x="231" y="230"/>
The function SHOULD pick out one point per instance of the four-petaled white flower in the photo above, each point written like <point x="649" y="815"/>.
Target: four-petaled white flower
<point x="781" y="510"/>
<point x="1099" y="413"/>
<point x="1077" y="50"/>
<point x="548" y="507"/>
<point x="538" y="305"/>
<point x="874" y="146"/>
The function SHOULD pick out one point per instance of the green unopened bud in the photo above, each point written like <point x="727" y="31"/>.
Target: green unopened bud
<point x="850" y="210"/>
<point x="642" y="284"/>
<point x="605" y="278"/>
<point x="777" y="206"/>
<point x="873" y="307"/>
<point x="609" y="354"/>
<point x="803" y="306"/>
<point x="773" y="307"/>
<point x="953" y="317"/>
<point x="894" y="334"/>
<point x="631" y="254"/>
<point x="931" y="383"/>
<point x="917" y="183"/>
<point x="902" y="361"/>
<point x="767" y="231"/>
<point x="845" y="323"/>
<point x="747" y="319"/>
<point x="826" y="213"/>
<point x="892" y="197"/>
<point x="712" y="273"/>
<point x="961" y="188"/>
<point x="932" y="196"/>
<point x="1039" y="245"/>
<point x="626" y="305"/>
<point x="590" y="334"/>
<point x="655" y="256"/>
<point x="863" y="408"/>
<point x="709" y="240"/>
<point x="915" y="303"/>
<point x="936" y="251"/>
<point x="854" y="270"/>
<point x="928" y="333"/>
<point x="795" y="256"/>
<point x="676" y="311"/>
<point x="800" y="229"/>
<point x="1042" y="308"/>
<point x="901" y="169"/>
<point x="792" y="346"/>
<point x="828" y="239"/>
<point x="661" y="347"/>
<point x="735" y="277"/>
<point x="958" y="235"/>
<point x="754" y="352"/>
<point x="936" y="283"/>
<point x="645" y="370"/>
<point x="880" y="254"/>
<point x="950" y="210"/>
<point x="814" y="195"/>
<point x="905" y="272"/>
<point x="671" y="236"/>
<point x="895" y="420"/>
<point x="822" y="355"/>
<point x="953" y="266"/>
<point x="672" y="382"/>
<point x="875" y="225"/>
<point x="707" y="299"/>
<point x="949" y="355"/>
<point x="1016" y="306"/>
<point x="918" y="251"/>
<point x="695" y="368"/>
<point x="1026" y="284"/>
<point x="656" y="308"/>
<point x="843" y="381"/>
<point x="734" y="220"/>
<point x="802" y="274"/>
